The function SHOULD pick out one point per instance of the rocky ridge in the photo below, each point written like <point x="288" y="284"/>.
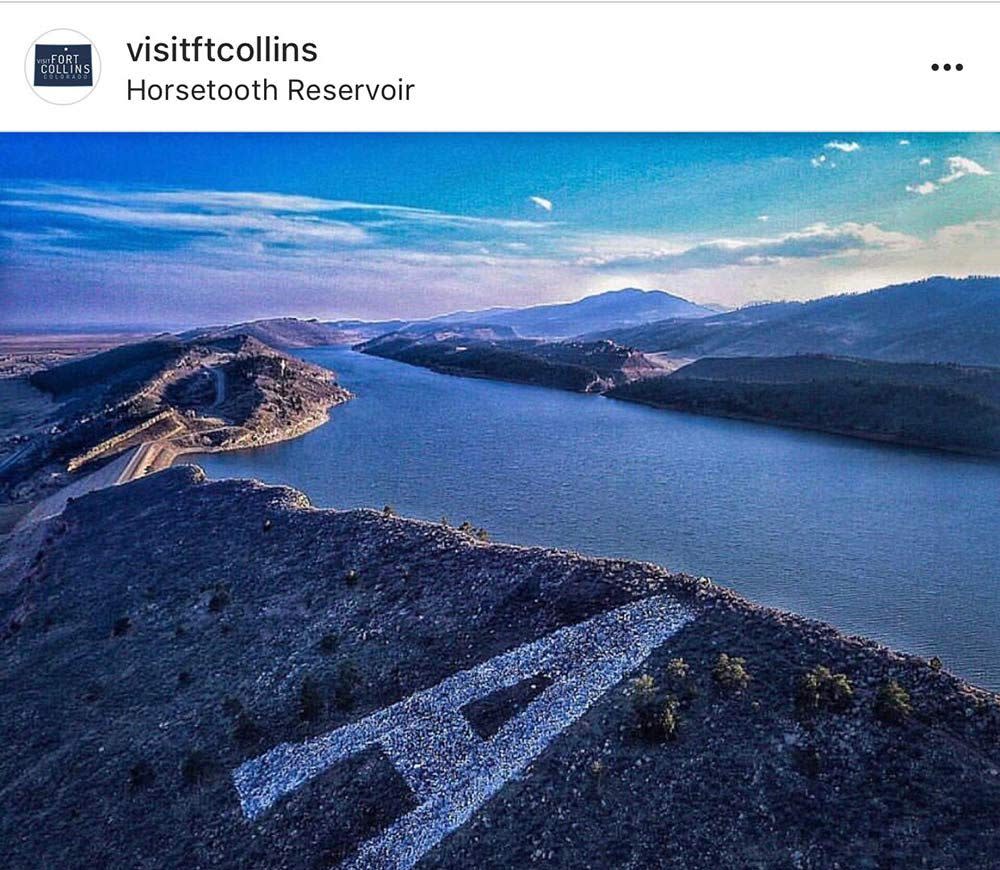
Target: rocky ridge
<point x="157" y="635"/>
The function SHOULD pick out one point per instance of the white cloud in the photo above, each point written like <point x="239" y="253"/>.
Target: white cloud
<point x="904" y="141"/>
<point x="813" y="242"/>
<point x="924" y="161"/>
<point x="541" y="202"/>
<point x="763" y="217"/>
<point x="818" y="161"/>
<point x="216" y="203"/>
<point x="960" y="167"/>
<point x="846" y="147"/>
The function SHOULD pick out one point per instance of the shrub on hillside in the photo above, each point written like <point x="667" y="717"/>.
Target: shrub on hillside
<point x="730" y="672"/>
<point x="892" y="703"/>
<point x="820" y="688"/>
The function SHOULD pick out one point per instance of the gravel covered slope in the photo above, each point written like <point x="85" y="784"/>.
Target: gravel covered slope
<point x="157" y="635"/>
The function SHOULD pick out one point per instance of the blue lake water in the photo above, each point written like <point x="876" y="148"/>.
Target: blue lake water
<point x="896" y="544"/>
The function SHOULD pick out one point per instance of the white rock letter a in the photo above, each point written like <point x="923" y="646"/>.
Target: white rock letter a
<point x="451" y="769"/>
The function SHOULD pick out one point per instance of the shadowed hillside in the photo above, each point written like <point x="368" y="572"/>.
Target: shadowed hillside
<point x="936" y="320"/>
<point x="943" y="406"/>
<point x="158" y="635"/>
<point x="583" y="367"/>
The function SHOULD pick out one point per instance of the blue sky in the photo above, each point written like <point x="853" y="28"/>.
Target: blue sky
<point x="180" y="229"/>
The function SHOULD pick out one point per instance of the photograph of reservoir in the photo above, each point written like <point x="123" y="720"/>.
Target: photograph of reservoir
<point x="393" y="500"/>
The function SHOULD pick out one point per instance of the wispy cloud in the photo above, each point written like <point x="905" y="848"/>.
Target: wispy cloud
<point x="958" y="167"/>
<point x="845" y="147"/>
<point x="816" y="241"/>
<point x="227" y="255"/>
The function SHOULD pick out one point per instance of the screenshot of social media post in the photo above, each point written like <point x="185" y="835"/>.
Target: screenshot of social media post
<point x="499" y="435"/>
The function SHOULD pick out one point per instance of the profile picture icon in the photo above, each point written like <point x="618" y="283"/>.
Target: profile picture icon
<point x="62" y="66"/>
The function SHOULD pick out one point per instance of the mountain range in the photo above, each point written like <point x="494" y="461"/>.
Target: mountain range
<point x="614" y="309"/>
<point x="951" y="320"/>
<point x="939" y="319"/>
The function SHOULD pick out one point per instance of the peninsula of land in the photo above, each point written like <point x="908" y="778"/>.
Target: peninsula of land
<point x="104" y="418"/>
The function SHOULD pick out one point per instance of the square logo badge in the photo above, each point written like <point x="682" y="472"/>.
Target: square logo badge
<point x="64" y="66"/>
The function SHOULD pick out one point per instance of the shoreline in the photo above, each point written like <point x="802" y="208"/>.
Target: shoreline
<point x="872" y="437"/>
<point x="802" y="427"/>
<point x="151" y="457"/>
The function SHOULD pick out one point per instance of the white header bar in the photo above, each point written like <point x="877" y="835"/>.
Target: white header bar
<point x="526" y="66"/>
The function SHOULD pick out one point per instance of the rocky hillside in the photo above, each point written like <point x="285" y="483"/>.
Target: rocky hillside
<point x="579" y="366"/>
<point x="161" y="641"/>
<point x="177" y="395"/>
<point x="293" y="332"/>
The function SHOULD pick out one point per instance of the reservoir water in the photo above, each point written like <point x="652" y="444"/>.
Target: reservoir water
<point x="897" y="544"/>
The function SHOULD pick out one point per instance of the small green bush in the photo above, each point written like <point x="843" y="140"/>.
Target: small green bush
<point x="892" y="703"/>
<point x="656" y="718"/>
<point x="246" y="732"/>
<point x="643" y="688"/>
<point x="730" y="672"/>
<point x="935" y="664"/>
<point x="468" y="529"/>
<point x="820" y="688"/>
<point x="232" y="706"/>
<point x="668" y="719"/>
<point x="677" y="669"/>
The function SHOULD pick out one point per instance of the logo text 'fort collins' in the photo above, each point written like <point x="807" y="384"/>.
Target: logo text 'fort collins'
<point x="62" y="66"/>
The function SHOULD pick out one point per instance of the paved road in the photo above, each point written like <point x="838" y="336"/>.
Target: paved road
<point x="108" y="475"/>
<point x="15" y="456"/>
<point x="220" y="386"/>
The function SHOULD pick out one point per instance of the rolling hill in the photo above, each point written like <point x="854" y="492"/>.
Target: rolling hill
<point x="947" y="407"/>
<point x="293" y="332"/>
<point x="582" y="367"/>
<point x="935" y="320"/>
<point x="614" y="309"/>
